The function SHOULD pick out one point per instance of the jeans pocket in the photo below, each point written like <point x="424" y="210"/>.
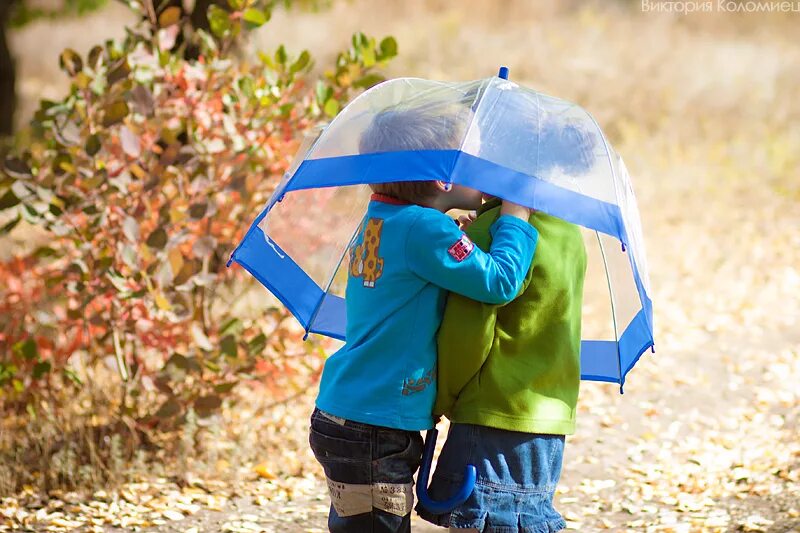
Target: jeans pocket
<point x="335" y="444"/>
<point x="399" y="455"/>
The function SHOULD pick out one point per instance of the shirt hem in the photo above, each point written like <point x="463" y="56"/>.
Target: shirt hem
<point x="393" y="422"/>
<point x="524" y="425"/>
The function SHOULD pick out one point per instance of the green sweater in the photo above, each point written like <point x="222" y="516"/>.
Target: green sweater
<point x="517" y="366"/>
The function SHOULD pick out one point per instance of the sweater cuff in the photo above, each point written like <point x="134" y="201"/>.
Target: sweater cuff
<point x="529" y="230"/>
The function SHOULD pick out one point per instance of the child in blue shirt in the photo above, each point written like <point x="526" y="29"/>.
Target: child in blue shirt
<point x="377" y="392"/>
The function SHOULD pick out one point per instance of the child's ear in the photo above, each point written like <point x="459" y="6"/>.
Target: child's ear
<point x="444" y="186"/>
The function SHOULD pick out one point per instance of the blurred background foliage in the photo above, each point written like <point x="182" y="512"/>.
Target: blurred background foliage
<point x="138" y="183"/>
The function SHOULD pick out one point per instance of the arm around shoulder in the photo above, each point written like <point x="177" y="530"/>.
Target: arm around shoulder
<point x="438" y="251"/>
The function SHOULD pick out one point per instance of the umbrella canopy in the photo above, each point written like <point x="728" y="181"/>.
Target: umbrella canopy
<point x="512" y="142"/>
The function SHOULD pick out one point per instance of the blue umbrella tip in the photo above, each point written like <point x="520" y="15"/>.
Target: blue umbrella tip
<point x="503" y="73"/>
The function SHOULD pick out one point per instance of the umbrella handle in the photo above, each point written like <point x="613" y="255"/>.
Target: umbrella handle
<point x="470" y="475"/>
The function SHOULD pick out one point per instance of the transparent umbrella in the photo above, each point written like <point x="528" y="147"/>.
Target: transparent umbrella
<point x="515" y="143"/>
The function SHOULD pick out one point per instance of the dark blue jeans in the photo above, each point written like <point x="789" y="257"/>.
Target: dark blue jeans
<point x="370" y="472"/>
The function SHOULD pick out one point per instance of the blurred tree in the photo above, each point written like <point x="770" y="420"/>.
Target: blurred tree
<point x="139" y="179"/>
<point x="16" y="13"/>
<point x="7" y="97"/>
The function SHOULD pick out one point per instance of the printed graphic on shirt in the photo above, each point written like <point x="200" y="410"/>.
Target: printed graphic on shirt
<point x="364" y="260"/>
<point x="411" y="385"/>
<point x="461" y="249"/>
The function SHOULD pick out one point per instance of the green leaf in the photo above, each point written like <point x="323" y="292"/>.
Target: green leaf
<point x="181" y="362"/>
<point x="72" y="376"/>
<point x="365" y="82"/>
<point x="198" y="210"/>
<point x="95" y="180"/>
<point x="331" y="107"/>
<point x="30" y="214"/>
<point x="323" y="92"/>
<point x="255" y="17"/>
<point x="157" y="239"/>
<point x="368" y="56"/>
<point x="359" y="40"/>
<point x="44" y="251"/>
<point x="257" y="344"/>
<point x="117" y="281"/>
<point x="207" y="405"/>
<point x="218" y="20"/>
<point x="40" y="369"/>
<point x="70" y="62"/>
<point x="231" y="327"/>
<point x="169" y="17"/>
<point x="285" y="109"/>
<point x="16" y="168"/>
<point x="169" y="409"/>
<point x="209" y="45"/>
<point x="388" y="48"/>
<point x="119" y="71"/>
<point x="114" y="113"/>
<point x="228" y="346"/>
<point x="26" y="349"/>
<point x="9" y="199"/>
<point x="162" y="384"/>
<point x="280" y="55"/>
<point x="247" y="86"/>
<point x="224" y="388"/>
<point x="6" y="229"/>
<point x="94" y="56"/>
<point x="18" y="385"/>
<point x="7" y="371"/>
<point x="237" y="5"/>
<point x="301" y="62"/>
<point x="93" y="145"/>
<point x="189" y="269"/>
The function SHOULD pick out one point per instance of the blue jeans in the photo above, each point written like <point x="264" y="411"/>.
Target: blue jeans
<point x="369" y="470"/>
<point x="517" y="477"/>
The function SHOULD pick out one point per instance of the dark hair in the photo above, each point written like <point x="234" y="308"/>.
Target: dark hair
<point x="536" y="143"/>
<point x="567" y="146"/>
<point x="397" y="129"/>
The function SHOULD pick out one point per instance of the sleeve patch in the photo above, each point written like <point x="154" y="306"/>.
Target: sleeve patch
<point x="461" y="249"/>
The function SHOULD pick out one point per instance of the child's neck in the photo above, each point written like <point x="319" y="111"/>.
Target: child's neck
<point x="436" y="202"/>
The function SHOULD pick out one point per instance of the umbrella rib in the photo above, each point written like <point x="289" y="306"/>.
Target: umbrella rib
<point x="480" y="96"/>
<point x="603" y="252"/>
<point x="613" y="303"/>
<point x="330" y="280"/>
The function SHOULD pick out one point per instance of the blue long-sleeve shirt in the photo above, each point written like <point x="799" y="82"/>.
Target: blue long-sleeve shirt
<point x="402" y="263"/>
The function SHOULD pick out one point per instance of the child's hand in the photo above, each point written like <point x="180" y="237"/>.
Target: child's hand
<point x="464" y="221"/>
<point x="515" y="210"/>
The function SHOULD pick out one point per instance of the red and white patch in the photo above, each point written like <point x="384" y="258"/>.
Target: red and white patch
<point x="461" y="249"/>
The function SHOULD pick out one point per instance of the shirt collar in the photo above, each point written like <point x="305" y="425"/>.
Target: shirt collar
<point x="386" y="199"/>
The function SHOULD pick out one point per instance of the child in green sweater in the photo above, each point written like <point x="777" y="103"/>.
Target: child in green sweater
<point x="509" y="374"/>
<point x="508" y="382"/>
